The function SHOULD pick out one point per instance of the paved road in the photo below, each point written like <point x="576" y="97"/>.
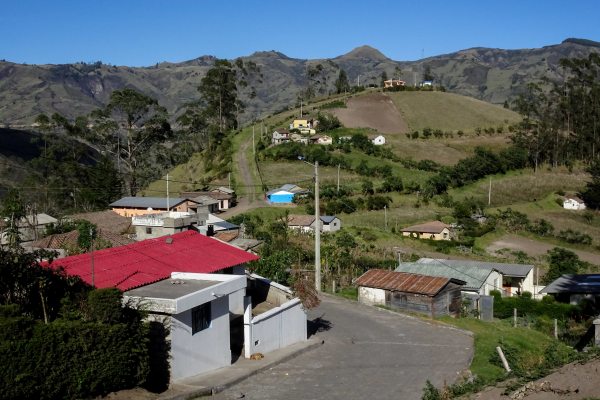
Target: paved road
<point x="368" y="353"/>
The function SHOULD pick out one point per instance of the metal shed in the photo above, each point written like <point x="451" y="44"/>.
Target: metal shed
<point x="430" y="295"/>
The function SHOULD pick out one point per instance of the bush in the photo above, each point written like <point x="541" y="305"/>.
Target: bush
<point x="72" y="359"/>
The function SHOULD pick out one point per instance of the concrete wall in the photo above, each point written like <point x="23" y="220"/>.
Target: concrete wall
<point x="444" y="235"/>
<point x="493" y="282"/>
<point x="277" y="328"/>
<point x="371" y="296"/>
<point x="206" y="350"/>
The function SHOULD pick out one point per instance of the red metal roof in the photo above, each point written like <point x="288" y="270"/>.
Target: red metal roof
<point x="152" y="260"/>
<point x="404" y="282"/>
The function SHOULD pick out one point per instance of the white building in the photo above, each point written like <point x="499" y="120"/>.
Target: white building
<point x="573" y="203"/>
<point x="378" y="140"/>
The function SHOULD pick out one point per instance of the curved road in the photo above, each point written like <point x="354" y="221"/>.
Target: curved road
<point x="369" y="353"/>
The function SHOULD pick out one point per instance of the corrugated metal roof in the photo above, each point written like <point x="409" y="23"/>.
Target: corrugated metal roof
<point x="404" y="282"/>
<point x="152" y="260"/>
<point x="582" y="283"/>
<point x="147" y="202"/>
<point x="513" y="270"/>
<point x="428" y="227"/>
<point x="474" y="277"/>
<point x="328" y="218"/>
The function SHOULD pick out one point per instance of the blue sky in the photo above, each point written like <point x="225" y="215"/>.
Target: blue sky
<point x="144" y="32"/>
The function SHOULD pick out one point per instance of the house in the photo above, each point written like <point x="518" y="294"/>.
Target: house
<point x="196" y="286"/>
<point x="32" y="227"/>
<point x="285" y="194"/>
<point x="434" y="230"/>
<point x="215" y="224"/>
<point x="63" y="243"/>
<point x="573" y="203"/>
<point x="430" y="295"/>
<point x="107" y="221"/>
<point x="331" y="223"/>
<point x="280" y="136"/>
<point x="298" y="138"/>
<point x="393" y="83"/>
<point x="306" y="223"/>
<point x="574" y="289"/>
<point x="195" y="308"/>
<point x="321" y="139"/>
<point x="478" y="280"/>
<point x="516" y="278"/>
<point x="214" y="201"/>
<point x="152" y="226"/>
<point x="130" y="206"/>
<point x="378" y="140"/>
<point x="302" y="122"/>
<point x="301" y="223"/>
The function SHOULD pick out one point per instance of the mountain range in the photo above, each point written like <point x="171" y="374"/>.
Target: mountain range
<point x="269" y="81"/>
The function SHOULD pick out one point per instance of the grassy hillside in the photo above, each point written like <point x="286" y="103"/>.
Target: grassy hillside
<point x="450" y="112"/>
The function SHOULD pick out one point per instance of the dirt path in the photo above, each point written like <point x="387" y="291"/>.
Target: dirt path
<point x="536" y="248"/>
<point x="375" y="111"/>
<point x="573" y="381"/>
<point x="242" y="162"/>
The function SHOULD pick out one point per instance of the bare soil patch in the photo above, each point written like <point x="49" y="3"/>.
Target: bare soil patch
<point x="376" y="111"/>
<point x="536" y="248"/>
<point x="573" y="381"/>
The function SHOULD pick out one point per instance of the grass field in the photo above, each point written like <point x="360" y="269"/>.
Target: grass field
<point x="531" y="344"/>
<point x="450" y="112"/>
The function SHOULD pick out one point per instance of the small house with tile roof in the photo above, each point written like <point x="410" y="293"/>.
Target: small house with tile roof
<point x="130" y="206"/>
<point x="430" y="295"/>
<point x="434" y="230"/>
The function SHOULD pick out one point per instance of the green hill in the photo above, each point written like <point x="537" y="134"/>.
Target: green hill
<point x="450" y="112"/>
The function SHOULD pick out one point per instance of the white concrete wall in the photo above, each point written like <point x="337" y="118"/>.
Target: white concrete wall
<point x="371" y="296"/>
<point x="493" y="282"/>
<point x="277" y="328"/>
<point x="206" y="350"/>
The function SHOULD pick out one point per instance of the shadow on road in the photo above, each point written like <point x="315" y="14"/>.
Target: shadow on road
<point x="318" y="324"/>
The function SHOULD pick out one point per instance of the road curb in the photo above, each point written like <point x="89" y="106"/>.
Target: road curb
<point x="236" y="380"/>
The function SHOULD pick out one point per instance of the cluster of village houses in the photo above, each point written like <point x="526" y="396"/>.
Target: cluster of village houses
<point x="302" y="130"/>
<point x="187" y="267"/>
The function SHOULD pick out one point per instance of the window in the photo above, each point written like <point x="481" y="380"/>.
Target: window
<point x="148" y="231"/>
<point x="201" y="318"/>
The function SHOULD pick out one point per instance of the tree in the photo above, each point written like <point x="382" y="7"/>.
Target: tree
<point x="341" y="83"/>
<point x="12" y="211"/>
<point x="427" y="75"/>
<point x="384" y="77"/>
<point x="591" y="194"/>
<point x="218" y="92"/>
<point x="561" y="261"/>
<point x="130" y="127"/>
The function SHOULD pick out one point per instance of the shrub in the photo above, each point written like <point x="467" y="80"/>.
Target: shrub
<point x="73" y="359"/>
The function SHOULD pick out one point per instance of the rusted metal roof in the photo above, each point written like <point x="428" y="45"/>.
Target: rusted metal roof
<point x="405" y="282"/>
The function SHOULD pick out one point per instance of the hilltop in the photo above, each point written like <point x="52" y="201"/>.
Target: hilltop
<point x="270" y="81"/>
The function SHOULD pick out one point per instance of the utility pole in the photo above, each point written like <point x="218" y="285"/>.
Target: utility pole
<point x="338" y="185"/>
<point x="253" y="148"/>
<point x="167" y="192"/>
<point x="490" y="193"/>
<point x="385" y="216"/>
<point x="229" y="179"/>
<point x="300" y="108"/>
<point x="317" y="232"/>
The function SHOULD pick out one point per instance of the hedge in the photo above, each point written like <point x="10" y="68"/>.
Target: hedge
<point x="70" y="359"/>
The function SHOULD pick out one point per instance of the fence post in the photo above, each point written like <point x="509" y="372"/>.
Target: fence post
<point x="555" y="328"/>
<point x="514" y="317"/>
<point x="504" y="362"/>
<point x="333" y="286"/>
<point x="597" y="332"/>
